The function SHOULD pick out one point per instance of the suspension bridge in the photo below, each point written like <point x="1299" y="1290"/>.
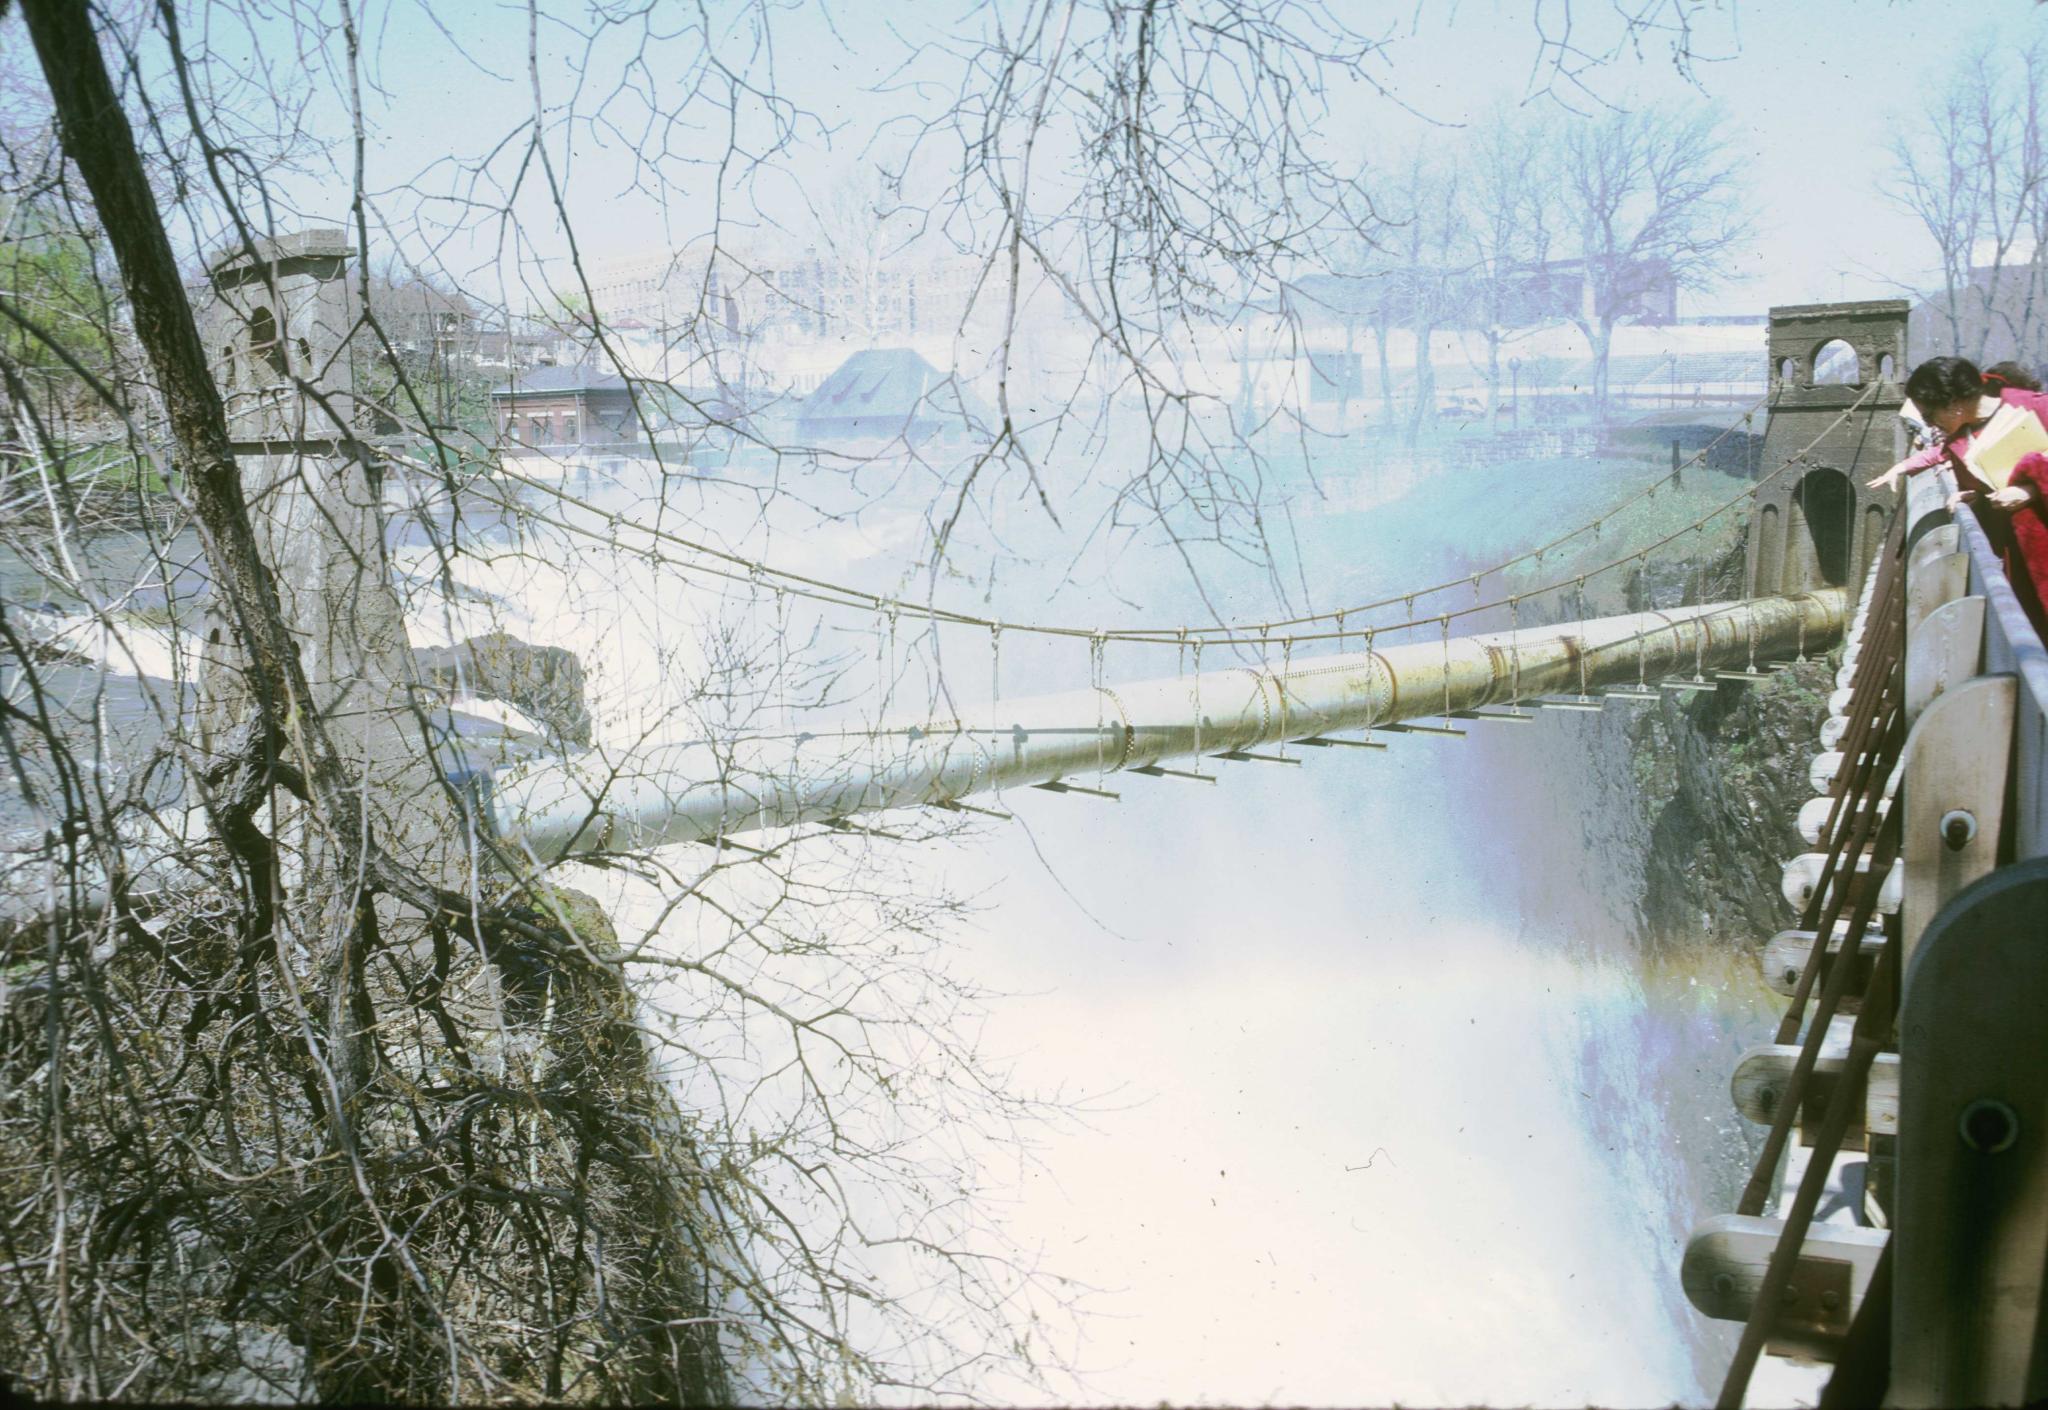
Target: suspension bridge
<point x="1908" y="1073"/>
<point x="1907" y="1086"/>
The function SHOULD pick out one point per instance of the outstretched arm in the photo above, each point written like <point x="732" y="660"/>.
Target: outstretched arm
<point x="1911" y="465"/>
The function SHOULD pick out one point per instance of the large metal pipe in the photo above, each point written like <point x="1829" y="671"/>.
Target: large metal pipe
<point x="697" y="791"/>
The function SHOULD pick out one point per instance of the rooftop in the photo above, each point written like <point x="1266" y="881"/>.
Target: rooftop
<point x="537" y="380"/>
<point x="895" y="383"/>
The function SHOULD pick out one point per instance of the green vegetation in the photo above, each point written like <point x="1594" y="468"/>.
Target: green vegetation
<point x="63" y="335"/>
<point x="50" y="279"/>
<point x="113" y="467"/>
<point x="436" y="401"/>
<point x="1708" y="512"/>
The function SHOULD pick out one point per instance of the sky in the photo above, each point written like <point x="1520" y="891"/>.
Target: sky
<point x="1814" y="94"/>
<point x="1814" y="91"/>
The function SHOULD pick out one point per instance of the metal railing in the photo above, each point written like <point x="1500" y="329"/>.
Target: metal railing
<point x="1926" y="918"/>
<point x="2011" y="646"/>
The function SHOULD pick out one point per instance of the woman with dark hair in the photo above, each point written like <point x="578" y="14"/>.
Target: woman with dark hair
<point x="2000" y="375"/>
<point x="1956" y="400"/>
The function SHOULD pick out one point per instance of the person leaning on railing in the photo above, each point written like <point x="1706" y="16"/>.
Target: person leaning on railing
<point x="1956" y="400"/>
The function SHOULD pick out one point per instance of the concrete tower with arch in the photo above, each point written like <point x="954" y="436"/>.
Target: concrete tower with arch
<point x="1816" y="524"/>
<point x="278" y="316"/>
<point x="277" y="319"/>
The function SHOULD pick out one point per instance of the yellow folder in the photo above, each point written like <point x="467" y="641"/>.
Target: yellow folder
<point x="2009" y="435"/>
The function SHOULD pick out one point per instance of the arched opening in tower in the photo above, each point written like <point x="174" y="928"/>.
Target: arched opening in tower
<point x="1822" y="530"/>
<point x="264" y="344"/>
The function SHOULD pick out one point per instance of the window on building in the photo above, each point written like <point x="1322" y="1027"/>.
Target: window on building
<point x="1835" y="364"/>
<point x="265" y="346"/>
<point x="569" y="428"/>
<point x="1335" y="376"/>
<point x="537" y="430"/>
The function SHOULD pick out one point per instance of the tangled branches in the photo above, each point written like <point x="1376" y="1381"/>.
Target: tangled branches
<point x="181" y="1222"/>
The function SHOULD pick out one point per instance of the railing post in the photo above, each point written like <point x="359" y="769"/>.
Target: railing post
<point x="1970" y="1222"/>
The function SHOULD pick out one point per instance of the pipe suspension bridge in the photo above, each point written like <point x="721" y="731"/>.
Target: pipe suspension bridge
<point x="1923" y="1054"/>
<point x="1914" y="978"/>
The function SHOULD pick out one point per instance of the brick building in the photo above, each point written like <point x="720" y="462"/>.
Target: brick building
<point x="558" y="410"/>
<point x="553" y="408"/>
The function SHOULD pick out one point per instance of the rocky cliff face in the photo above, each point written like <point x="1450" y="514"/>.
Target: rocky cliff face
<point x="544" y="681"/>
<point x="1720" y="778"/>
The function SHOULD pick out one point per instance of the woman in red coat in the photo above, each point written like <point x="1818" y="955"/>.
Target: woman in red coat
<point x="1957" y="399"/>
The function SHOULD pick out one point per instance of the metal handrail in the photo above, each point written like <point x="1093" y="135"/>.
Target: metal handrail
<point x="1878" y="712"/>
<point x="2012" y="645"/>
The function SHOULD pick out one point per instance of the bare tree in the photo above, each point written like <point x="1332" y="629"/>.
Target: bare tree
<point x="437" y="1149"/>
<point x="1514" y="214"/>
<point x="1577" y="42"/>
<point x="865" y="234"/>
<point x="310" y="1083"/>
<point x="1131" y="249"/>
<point x="1973" y="170"/>
<point x="1656" y="195"/>
<point x="1426" y="203"/>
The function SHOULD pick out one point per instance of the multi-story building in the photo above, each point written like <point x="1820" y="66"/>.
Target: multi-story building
<point x="558" y="410"/>
<point x="865" y="288"/>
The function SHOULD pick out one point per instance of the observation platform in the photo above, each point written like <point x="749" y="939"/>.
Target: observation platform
<point x="1895" y="1223"/>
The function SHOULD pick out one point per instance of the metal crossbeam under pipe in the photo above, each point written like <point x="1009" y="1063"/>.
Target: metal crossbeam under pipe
<point x="696" y="791"/>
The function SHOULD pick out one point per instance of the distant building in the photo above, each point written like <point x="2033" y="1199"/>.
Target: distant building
<point x="1999" y="312"/>
<point x="558" y="409"/>
<point x="423" y="321"/>
<point x="868" y="288"/>
<point x="888" y="394"/>
<point x="510" y="349"/>
<point x="420" y="321"/>
<point x="1647" y="292"/>
<point x="1530" y="295"/>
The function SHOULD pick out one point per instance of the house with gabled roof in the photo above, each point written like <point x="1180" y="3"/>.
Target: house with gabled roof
<point x="890" y="394"/>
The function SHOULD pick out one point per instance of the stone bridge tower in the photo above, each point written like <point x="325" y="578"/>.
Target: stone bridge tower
<point x="1816" y="525"/>
<point x="278" y="320"/>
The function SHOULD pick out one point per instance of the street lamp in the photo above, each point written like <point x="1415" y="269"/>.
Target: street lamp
<point x="1515" y="383"/>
